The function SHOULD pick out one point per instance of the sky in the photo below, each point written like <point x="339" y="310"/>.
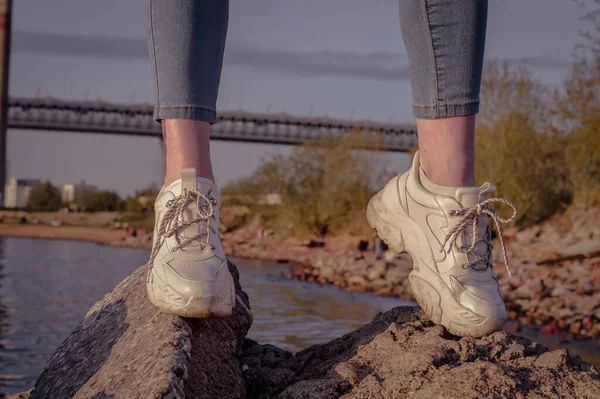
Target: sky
<point x="339" y="58"/>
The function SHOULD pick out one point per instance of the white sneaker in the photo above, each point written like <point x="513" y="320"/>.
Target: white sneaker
<point x="187" y="272"/>
<point x="446" y="232"/>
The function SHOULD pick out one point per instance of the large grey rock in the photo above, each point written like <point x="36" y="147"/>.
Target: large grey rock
<point x="126" y="348"/>
<point x="402" y="355"/>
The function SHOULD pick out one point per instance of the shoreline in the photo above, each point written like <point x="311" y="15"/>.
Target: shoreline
<point x="558" y="299"/>
<point x="98" y="235"/>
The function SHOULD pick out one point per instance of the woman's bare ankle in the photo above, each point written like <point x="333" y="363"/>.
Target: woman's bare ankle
<point x="447" y="151"/>
<point x="187" y="145"/>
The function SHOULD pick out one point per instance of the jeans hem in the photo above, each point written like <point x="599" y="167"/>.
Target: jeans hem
<point x="445" y="110"/>
<point x="185" y="112"/>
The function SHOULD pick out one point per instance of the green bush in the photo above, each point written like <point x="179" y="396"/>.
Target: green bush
<point x="96" y="201"/>
<point x="578" y="110"/>
<point x="517" y="144"/>
<point x="44" y="197"/>
<point x="129" y="204"/>
<point x="132" y="203"/>
<point x="324" y="187"/>
<point x="542" y="145"/>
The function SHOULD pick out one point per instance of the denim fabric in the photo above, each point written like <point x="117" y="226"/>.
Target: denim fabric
<point x="186" y="40"/>
<point x="445" y="41"/>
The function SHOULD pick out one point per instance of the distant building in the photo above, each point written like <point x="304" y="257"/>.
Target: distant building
<point x="70" y="190"/>
<point x="16" y="192"/>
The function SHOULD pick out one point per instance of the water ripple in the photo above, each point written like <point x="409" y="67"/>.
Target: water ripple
<point x="47" y="287"/>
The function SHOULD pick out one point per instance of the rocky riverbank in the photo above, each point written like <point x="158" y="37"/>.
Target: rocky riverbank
<point x="556" y="267"/>
<point x="562" y="298"/>
<point x="555" y="286"/>
<point x="126" y="348"/>
<point x="99" y="235"/>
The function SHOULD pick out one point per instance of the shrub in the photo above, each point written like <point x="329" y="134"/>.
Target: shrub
<point x="578" y="109"/>
<point x="324" y="187"/>
<point x="517" y="145"/>
<point x="92" y="201"/>
<point x="44" y="197"/>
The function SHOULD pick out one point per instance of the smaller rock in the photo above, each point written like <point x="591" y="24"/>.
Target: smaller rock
<point x="513" y="327"/>
<point x="326" y="273"/>
<point x="514" y="352"/>
<point x="575" y="328"/>
<point x="375" y="274"/>
<point x="252" y="348"/>
<point x="553" y="359"/>
<point x="559" y="291"/>
<point x="358" y="281"/>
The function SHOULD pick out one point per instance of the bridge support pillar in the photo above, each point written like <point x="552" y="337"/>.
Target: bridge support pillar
<point x="5" y="20"/>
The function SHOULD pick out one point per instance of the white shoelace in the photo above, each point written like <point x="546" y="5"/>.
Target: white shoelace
<point x="472" y="216"/>
<point x="172" y="220"/>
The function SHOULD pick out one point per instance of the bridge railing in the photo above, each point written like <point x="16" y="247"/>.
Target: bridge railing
<point x="137" y="119"/>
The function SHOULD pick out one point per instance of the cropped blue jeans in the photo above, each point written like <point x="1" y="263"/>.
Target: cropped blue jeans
<point x="444" y="39"/>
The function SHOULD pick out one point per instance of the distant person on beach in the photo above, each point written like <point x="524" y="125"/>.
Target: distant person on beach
<point x="378" y="244"/>
<point x="260" y="235"/>
<point x="363" y="244"/>
<point x="434" y="211"/>
<point x="318" y="243"/>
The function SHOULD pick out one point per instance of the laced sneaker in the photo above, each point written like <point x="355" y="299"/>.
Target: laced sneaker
<point x="187" y="272"/>
<point x="446" y="231"/>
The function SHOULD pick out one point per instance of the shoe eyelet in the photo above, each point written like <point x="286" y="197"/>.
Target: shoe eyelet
<point x="169" y="203"/>
<point x="173" y="249"/>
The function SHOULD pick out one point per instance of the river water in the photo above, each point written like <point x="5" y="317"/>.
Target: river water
<point x="47" y="287"/>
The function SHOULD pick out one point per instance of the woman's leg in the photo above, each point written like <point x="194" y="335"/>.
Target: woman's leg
<point x="445" y="41"/>
<point x="188" y="273"/>
<point x="433" y="211"/>
<point x="186" y="42"/>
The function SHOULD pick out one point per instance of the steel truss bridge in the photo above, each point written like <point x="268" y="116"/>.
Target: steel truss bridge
<point x="137" y="119"/>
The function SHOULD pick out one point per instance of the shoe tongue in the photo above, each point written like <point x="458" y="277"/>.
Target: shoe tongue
<point x="189" y="180"/>
<point x="205" y="186"/>
<point x="469" y="197"/>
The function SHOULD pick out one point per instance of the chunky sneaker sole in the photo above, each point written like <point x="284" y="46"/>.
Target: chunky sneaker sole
<point x="431" y="292"/>
<point x="203" y="303"/>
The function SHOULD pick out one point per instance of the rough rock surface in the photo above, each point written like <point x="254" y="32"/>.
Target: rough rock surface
<point x="22" y="395"/>
<point x="401" y="355"/>
<point x="126" y="348"/>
